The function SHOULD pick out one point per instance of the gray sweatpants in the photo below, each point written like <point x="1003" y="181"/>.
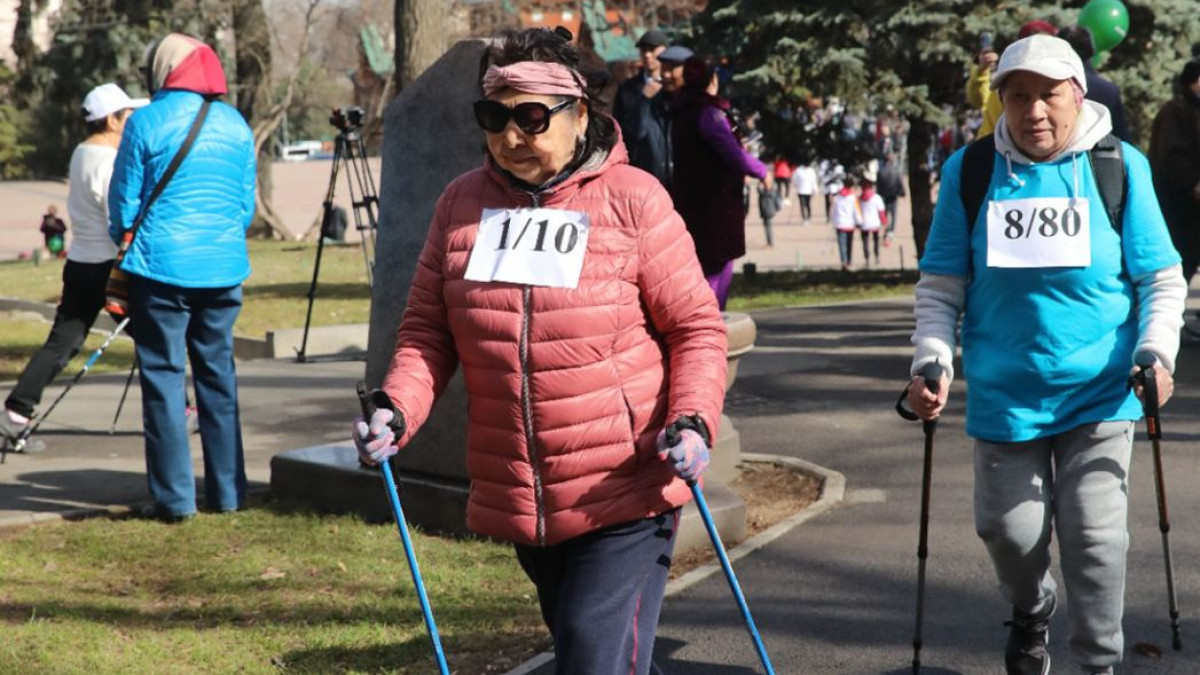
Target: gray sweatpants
<point x="1079" y="480"/>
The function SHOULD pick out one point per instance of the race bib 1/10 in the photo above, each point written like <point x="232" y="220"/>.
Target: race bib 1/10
<point x="537" y="247"/>
<point x="1041" y="232"/>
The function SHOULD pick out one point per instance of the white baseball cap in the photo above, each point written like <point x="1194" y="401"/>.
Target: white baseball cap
<point x="106" y="100"/>
<point x="1042" y="54"/>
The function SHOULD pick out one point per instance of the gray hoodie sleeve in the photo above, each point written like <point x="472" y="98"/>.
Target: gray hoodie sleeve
<point x="1160" y="300"/>
<point x="940" y="299"/>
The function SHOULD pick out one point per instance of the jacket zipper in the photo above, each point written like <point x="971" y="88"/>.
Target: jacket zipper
<point x="527" y="410"/>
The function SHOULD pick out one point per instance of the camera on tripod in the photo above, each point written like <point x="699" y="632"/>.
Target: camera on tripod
<point x="347" y="119"/>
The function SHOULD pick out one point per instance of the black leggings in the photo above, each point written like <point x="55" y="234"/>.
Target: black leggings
<point x="82" y="300"/>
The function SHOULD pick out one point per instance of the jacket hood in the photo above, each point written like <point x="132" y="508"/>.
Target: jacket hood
<point x="1093" y="124"/>
<point x="182" y="62"/>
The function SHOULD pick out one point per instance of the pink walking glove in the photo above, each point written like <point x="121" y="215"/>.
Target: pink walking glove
<point x="376" y="441"/>
<point x="688" y="457"/>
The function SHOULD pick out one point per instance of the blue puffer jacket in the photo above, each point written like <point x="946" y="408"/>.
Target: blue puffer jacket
<point x="195" y="233"/>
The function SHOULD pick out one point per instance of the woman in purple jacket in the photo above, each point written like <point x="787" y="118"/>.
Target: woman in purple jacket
<point x="710" y="169"/>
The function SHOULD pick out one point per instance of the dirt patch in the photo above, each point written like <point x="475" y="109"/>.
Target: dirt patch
<point x="772" y="494"/>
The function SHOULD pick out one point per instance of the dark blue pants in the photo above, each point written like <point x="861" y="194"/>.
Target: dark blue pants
<point x="174" y="325"/>
<point x="601" y="594"/>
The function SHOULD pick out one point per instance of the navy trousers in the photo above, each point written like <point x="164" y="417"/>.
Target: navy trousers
<point x="174" y="325"/>
<point x="601" y="594"/>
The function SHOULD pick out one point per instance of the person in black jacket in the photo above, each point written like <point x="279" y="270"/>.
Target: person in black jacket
<point x="641" y="109"/>
<point x="1099" y="88"/>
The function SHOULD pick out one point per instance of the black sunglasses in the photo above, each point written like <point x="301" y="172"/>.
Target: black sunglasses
<point x="532" y="117"/>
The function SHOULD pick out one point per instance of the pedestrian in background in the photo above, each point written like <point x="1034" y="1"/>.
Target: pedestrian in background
<point x="642" y="109"/>
<point x="782" y="169"/>
<point x="1051" y="326"/>
<point x="54" y="232"/>
<point x="768" y="206"/>
<point x="874" y="218"/>
<point x="846" y="215"/>
<point x="1175" y="161"/>
<point x="186" y="264"/>
<point x="105" y="110"/>
<point x="891" y="189"/>
<point x="710" y="171"/>
<point x="604" y="342"/>
<point x="804" y="180"/>
<point x="1099" y="88"/>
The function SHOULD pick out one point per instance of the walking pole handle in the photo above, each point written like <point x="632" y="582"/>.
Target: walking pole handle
<point x="369" y="406"/>
<point x="932" y="373"/>
<point x="1145" y="362"/>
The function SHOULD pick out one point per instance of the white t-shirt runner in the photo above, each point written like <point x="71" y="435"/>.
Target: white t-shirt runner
<point x="87" y="203"/>
<point x="532" y="246"/>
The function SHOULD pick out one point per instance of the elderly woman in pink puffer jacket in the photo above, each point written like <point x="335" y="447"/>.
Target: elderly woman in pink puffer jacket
<point x="563" y="281"/>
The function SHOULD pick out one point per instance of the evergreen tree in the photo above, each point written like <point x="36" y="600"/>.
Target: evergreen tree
<point x="910" y="54"/>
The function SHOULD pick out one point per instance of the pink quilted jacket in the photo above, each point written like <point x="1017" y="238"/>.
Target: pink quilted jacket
<point x="567" y="388"/>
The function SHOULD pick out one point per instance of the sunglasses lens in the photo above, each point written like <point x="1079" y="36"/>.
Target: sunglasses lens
<point x="532" y="118"/>
<point x="491" y="116"/>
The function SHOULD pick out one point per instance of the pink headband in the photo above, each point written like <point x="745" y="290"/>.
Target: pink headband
<point x="534" y="77"/>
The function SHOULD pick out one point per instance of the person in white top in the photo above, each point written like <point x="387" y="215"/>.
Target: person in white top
<point x="804" y="179"/>
<point x="846" y="216"/>
<point x="874" y="217"/>
<point x="89" y="259"/>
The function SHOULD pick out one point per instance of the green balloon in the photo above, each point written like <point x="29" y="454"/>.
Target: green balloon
<point x="1108" y="20"/>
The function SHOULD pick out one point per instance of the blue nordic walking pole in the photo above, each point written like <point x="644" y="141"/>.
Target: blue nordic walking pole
<point x="19" y="442"/>
<point x="1145" y="362"/>
<point x="933" y="375"/>
<point x="368" y="409"/>
<point x="706" y="516"/>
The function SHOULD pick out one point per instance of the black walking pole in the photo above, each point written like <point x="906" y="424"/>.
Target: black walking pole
<point x="112" y="429"/>
<point x="1145" y="375"/>
<point x="19" y="443"/>
<point x="933" y="375"/>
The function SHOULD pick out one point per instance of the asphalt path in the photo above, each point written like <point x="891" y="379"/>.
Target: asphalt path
<point x="838" y="594"/>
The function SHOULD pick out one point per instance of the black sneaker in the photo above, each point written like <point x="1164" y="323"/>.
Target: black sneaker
<point x="1026" y="653"/>
<point x="10" y="432"/>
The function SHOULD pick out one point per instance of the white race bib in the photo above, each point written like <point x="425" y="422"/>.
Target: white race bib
<point x="1041" y="232"/>
<point x="537" y="247"/>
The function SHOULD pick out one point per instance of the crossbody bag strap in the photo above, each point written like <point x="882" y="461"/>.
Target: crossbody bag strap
<point x="127" y="237"/>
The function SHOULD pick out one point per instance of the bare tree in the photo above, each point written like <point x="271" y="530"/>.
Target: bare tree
<point x="266" y="115"/>
<point x="420" y="37"/>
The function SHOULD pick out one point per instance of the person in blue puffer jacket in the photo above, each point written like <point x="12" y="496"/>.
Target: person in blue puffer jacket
<point x="186" y="264"/>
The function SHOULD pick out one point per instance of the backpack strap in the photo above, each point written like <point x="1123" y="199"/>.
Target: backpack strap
<point x="1108" y="166"/>
<point x="976" y="176"/>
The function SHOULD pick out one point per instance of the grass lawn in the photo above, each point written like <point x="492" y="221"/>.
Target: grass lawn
<point x="271" y="589"/>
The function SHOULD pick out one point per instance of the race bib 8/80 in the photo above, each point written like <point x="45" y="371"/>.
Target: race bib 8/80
<point x="537" y="247"/>
<point x="1041" y="232"/>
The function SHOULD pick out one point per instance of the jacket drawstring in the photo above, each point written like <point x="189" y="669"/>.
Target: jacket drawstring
<point x="1011" y="174"/>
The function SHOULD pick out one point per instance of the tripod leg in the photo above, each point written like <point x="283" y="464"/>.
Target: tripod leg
<point x="326" y="218"/>
<point x="121" y="405"/>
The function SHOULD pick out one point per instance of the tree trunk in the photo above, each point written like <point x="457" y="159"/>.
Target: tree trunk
<point x="22" y="37"/>
<point x="420" y="38"/>
<point x="252" y="38"/>
<point x="920" y="135"/>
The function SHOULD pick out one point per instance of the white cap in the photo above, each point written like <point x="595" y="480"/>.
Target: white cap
<point x="106" y="100"/>
<point x="1042" y="54"/>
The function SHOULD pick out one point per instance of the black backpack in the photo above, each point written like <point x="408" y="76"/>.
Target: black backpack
<point x="1108" y="165"/>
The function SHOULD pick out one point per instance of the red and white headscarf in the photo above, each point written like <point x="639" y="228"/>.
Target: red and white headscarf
<point x="534" y="77"/>
<point x="182" y="62"/>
